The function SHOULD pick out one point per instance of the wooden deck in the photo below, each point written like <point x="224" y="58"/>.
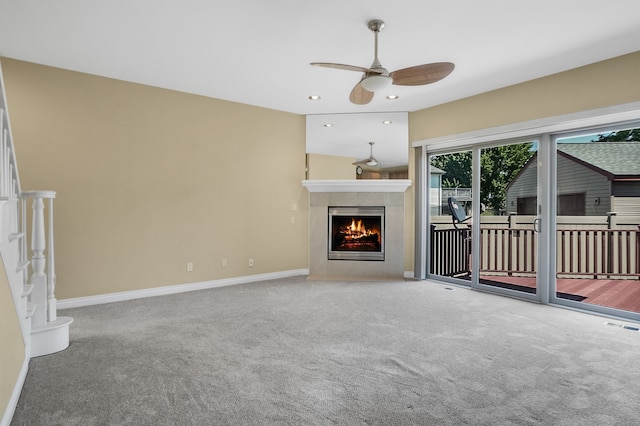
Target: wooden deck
<point x="618" y="294"/>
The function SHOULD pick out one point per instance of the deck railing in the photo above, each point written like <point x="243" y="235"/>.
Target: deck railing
<point x="508" y="250"/>
<point x="582" y="251"/>
<point x="598" y="253"/>
<point x="456" y="243"/>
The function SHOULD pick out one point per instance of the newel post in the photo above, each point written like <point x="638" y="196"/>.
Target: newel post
<point x="43" y="284"/>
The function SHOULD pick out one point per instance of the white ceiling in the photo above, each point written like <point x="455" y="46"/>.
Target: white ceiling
<point x="258" y="52"/>
<point x="349" y="136"/>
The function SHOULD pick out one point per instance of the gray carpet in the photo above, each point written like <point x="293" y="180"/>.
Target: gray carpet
<point x="302" y="352"/>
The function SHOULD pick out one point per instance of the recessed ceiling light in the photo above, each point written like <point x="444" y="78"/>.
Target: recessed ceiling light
<point x="387" y="122"/>
<point x="392" y="97"/>
<point x="314" y="97"/>
<point x="328" y="125"/>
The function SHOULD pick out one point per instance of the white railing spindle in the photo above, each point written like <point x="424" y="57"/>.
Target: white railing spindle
<point x="23" y="241"/>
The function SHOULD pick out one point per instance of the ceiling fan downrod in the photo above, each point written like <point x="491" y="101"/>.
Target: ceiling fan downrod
<point x="376" y="25"/>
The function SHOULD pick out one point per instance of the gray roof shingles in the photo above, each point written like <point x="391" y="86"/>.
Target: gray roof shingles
<point x="617" y="158"/>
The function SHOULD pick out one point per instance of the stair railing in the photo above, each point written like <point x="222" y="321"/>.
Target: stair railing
<point x="16" y="263"/>
<point x="43" y="331"/>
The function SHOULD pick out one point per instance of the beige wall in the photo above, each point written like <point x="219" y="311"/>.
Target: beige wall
<point x="607" y="83"/>
<point x="149" y="179"/>
<point x="12" y="353"/>
<point x="330" y="167"/>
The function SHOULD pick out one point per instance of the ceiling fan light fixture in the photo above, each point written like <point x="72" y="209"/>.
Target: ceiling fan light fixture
<point x="372" y="162"/>
<point x="374" y="83"/>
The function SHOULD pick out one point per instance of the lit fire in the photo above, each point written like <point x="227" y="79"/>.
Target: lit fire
<point x="355" y="230"/>
<point x="357" y="234"/>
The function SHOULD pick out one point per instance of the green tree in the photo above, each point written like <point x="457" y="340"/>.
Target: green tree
<point x="619" y="136"/>
<point x="499" y="166"/>
<point x="457" y="169"/>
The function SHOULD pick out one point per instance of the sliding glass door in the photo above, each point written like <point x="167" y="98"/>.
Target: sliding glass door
<point x="508" y="218"/>
<point x="483" y="210"/>
<point x="450" y="210"/>
<point x="598" y="219"/>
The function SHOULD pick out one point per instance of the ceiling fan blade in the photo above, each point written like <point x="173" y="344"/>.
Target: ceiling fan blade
<point x="422" y="74"/>
<point x="366" y="163"/>
<point x="359" y="95"/>
<point x="346" y="67"/>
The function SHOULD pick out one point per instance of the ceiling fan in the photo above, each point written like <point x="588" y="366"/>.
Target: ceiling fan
<point x="376" y="77"/>
<point x="371" y="161"/>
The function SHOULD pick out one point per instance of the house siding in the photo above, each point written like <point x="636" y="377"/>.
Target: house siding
<point x="525" y="186"/>
<point x="573" y="178"/>
<point x="626" y="206"/>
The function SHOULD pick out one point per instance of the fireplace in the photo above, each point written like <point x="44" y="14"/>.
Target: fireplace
<point x="356" y="233"/>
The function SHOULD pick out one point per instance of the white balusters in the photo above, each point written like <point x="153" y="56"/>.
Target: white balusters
<point x="23" y="242"/>
<point x="6" y="164"/>
<point x="38" y="242"/>
<point x="4" y="170"/>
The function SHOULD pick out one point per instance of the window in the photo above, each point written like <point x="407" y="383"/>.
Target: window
<point x="571" y="204"/>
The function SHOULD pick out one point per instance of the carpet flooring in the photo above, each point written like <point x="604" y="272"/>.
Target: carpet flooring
<point x="307" y="352"/>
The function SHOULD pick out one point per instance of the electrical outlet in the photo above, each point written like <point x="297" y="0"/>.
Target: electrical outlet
<point x="250" y="263"/>
<point x="224" y="263"/>
<point x="189" y="266"/>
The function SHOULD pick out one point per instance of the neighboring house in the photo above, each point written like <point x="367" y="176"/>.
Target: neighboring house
<point x="462" y="195"/>
<point x="438" y="196"/>
<point x="593" y="179"/>
<point x="435" y="188"/>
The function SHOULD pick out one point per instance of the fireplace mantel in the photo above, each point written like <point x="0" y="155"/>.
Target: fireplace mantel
<point x="357" y="185"/>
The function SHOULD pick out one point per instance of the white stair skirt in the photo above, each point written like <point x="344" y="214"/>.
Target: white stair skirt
<point x="52" y="338"/>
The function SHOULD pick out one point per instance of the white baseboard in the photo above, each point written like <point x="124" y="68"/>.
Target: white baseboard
<point x="17" y="390"/>
<point x="78" y="302"/>
<point x="409" y="274"/>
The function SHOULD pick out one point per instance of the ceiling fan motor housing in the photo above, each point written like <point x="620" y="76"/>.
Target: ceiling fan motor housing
<point x="376" y="25"/>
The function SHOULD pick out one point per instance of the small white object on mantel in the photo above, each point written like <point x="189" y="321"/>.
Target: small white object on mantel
<point x="357" y="185"/>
